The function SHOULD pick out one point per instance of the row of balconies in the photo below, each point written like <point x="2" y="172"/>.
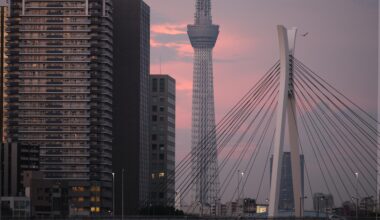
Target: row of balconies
<point x="16" y="68"/>
<point x="53" y="138"/>
<point x="52" y="132"/>
<point x="58" y="44"/>
<point x="48" y="108"/>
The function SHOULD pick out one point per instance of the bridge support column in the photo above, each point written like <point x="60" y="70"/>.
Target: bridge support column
<point x="286" y="104"/>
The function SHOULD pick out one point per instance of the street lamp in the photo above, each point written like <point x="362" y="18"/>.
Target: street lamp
<point x="122" y="194"/>
<point x="242" y="187"/>
<point x="357" y="202"/>
<point x="113" y="193"/>
<point x="238" y="186"/>
<point x="357" y="194"/>
<point x="376" y="206"/>
<point x="302" y="201"/>
<point x="201" y="207"/>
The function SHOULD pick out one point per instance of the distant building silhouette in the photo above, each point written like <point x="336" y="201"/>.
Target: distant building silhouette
<point x="322" y="202"/>
<point x="286" y="199"/>
<point x="131" y="104"/>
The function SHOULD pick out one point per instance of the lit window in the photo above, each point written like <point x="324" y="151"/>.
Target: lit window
<point x="161" y="174"/>
<point x="97" y="209"/>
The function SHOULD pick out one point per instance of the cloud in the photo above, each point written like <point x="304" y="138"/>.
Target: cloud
<point x="182" y="48"/>
<point x="169" y="29"/>
<point x="172" y="36"/>
<point x="185" y="86"/>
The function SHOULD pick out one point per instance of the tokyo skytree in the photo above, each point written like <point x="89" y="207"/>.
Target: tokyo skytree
<point x="203" y="35"/>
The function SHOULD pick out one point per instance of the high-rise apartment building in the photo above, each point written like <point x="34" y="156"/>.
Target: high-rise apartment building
<point x="286" y="199"/>
<point x="59" y="94"/>
<point x="131" y="104"/>
<point x="162" y="132"/>
<point x="4" y="7"/>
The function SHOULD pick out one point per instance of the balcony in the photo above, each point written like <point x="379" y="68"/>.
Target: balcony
<point x="54" y="5"/>
<point x="54" y="43"/>
<point x="54" y="36"/>
<point x="54" y="59"/>
<point x="55" y="13"/>
<point x="54" y="51"/>
<point x="54" y="21"/>
<point x="55" y="67"/>
<point x="54" y="75"/>
<point x="54" y="90"/>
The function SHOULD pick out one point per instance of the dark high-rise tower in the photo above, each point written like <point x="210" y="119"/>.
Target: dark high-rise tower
<point x="59" y="94"/>
<point x="131" y="103"/>
<point x="162" y="130"/>
<point x="203" y="35"/>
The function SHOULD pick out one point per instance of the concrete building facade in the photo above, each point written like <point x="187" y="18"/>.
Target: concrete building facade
<point x="162" y="131"/>
<point x="59" y="93"/>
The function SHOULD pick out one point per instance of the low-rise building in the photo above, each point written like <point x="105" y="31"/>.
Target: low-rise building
<point x="15" y="207"/>
<point x="323" y="202"/>
<point x="15" y="159"/>
<point x="48" y="198"/>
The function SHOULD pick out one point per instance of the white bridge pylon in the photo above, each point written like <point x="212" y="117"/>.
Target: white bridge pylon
<point x="286" y="109"/>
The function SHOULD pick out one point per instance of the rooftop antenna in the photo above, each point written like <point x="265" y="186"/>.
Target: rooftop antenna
<point x="160" y="65"/>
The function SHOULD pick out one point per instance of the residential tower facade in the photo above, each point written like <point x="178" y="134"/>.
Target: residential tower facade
<point x="59" y="94"/>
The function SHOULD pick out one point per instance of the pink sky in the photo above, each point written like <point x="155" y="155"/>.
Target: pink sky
<point x="341" y="46"/>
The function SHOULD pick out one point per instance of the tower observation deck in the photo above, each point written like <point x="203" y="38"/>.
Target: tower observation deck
<point x="203" y="35"/>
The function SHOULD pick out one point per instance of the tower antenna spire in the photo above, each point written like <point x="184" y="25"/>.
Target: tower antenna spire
<point x="203" y="12"/>
<point x="203" y="36"/>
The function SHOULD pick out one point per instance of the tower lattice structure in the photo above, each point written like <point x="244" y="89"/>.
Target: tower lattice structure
<point x="203" y="35"/>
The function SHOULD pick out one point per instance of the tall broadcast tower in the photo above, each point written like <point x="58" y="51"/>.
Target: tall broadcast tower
<point x="203" y="35"/>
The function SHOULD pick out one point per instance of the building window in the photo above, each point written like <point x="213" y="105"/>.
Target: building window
<point x="162" y="147"/>
<point x="154" y="137"/>
<point x="162" y="174"/>
<point x="154" y="117"/>
<point x="154" y="146"/>
<point x="161" y="195"/>
<point x="162" y="85"/>
<point x="154" y="86"/>
<point x="162" y="157"/>
<point x="154" y="108"/>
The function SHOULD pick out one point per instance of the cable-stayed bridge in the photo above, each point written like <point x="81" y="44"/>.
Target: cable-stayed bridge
<point x="290" y="106"/>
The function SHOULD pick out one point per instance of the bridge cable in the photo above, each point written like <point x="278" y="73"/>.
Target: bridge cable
<point x="317" y="128"/>
<point x="339" y="132"/>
